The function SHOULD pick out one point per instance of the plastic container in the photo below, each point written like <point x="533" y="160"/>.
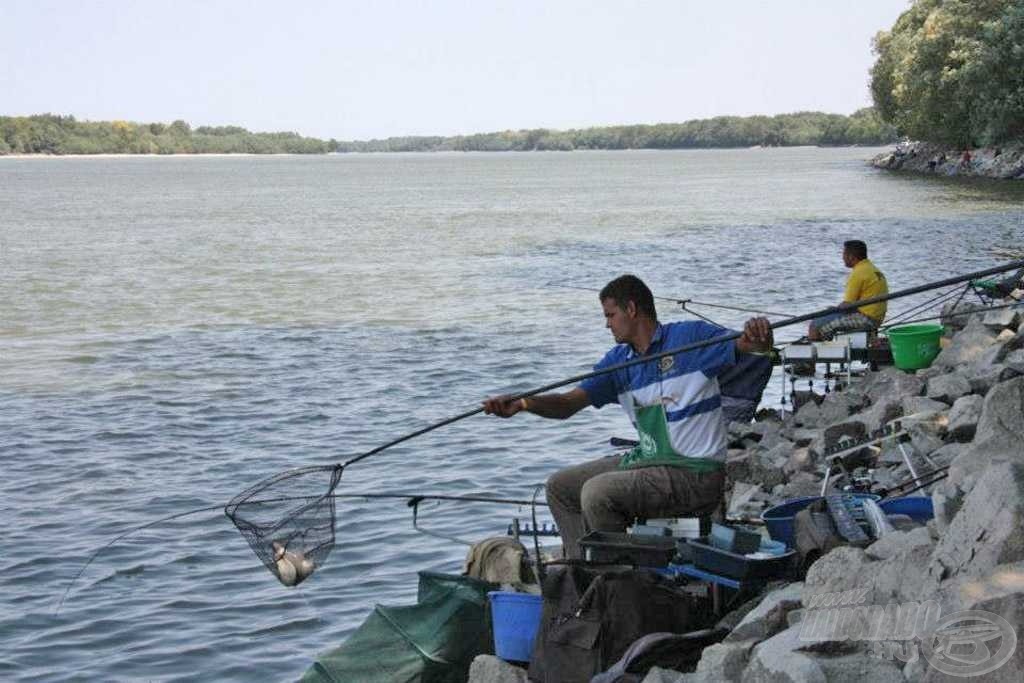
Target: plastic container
<point x="616" y="548"/>
<point x="918" y="508"/>
<point x="737" y="566"/>
<point x="516" y="618"/>
<point x="779" y="519"/>
<point x="914" y="346"/>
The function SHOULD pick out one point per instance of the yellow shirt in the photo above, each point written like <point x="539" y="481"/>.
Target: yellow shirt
<point x="865" y="282"/>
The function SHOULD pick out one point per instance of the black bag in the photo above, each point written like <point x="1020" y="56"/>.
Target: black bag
<point x="590" y="618"/>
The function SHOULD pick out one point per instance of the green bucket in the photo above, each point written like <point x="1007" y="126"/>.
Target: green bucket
<point x="914" y="346"/>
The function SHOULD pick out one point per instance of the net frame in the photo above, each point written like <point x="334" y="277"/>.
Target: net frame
<point x="280" y="515"/>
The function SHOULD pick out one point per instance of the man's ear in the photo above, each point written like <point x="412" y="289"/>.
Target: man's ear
<point x="631" y="309"/>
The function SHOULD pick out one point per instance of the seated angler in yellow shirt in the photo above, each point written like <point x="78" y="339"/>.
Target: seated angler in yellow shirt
<point x="865" y="281"/>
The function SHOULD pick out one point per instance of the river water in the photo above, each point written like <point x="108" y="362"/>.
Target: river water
<point x="173" y="330"/>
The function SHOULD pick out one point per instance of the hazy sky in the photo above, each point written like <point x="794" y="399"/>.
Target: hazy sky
<point x="355" y="70"/>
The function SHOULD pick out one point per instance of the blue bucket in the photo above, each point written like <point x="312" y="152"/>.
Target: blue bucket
<point x="918" y="508"/>
<point x="516" y="618"/>
<point x="779" y="519"/>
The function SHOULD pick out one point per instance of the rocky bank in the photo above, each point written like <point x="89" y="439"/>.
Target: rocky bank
<point x="1005" y="161"/>
<point x="965" y="411"/>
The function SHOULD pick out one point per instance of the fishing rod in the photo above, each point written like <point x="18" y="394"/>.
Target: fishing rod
<point x="730" y="336"/>
<point x="414" y="499"/>
<point x="680" y="302"/>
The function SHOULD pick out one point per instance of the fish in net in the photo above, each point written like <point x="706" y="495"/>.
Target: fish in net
<point x="288" y="520"/>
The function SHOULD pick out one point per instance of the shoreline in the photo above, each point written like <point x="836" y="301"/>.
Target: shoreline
<point x="1005" y="162"/>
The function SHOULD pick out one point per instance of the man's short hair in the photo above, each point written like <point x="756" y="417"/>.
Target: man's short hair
<point x="856" y="249"/>
<point x="626" y="288"/>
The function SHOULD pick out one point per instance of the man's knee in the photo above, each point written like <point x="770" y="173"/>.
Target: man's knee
<point x="561" y="485"/>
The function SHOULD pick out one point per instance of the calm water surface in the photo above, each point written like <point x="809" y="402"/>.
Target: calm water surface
<point x="173" y="330"/>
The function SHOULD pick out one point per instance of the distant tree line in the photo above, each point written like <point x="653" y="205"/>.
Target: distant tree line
<point x="864" y="127"/>
<point x="952" y="71"/>
<point x="49" y="134"/>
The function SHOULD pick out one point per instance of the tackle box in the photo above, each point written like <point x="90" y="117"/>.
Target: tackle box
<point x="619" y="548"/>
<point x="737" y="566"/>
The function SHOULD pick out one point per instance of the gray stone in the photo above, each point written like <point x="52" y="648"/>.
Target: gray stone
<point x="860" y="667"/>
<point x="837" y="406"/>
<point x="986" y="531"/>
<point x="809" y="415"/>
<point x="802" y="484"/>
<point x="947" y="499"/>
<point x="801" y="436"/>
<point x="894" y="544"/>
<point x="737" y="464"/>
<point x="1006" y="335"/>
<point x="1000" y="592"/>
<point x="955" y="315"/>
<point x="893" y="383"/>
<point x="743" y="500"/>
<point x="922" y="404"/>
<point x="842" y="569"/>
<point x="948" y="453"/>
<point x="659" y="675"/>
<point x="964" y="417"/>
<point x="982" y="379"/>
<point x="725" y="661"/>
<point x="1015" y="361"/>
<point x="766" y="467"/>
<point x="799" y="461"/>
<point x="882" y="412"/>
<point x="947" y="388"/>
<point x="1002" y="318"/>
<point x="779" y="660"/>
<point x="1000" y="430"/>
<point x="966" y="346"/>
<point x="769" y="617"/>
<point x="925" y="374"/>
<point x="490" y="669"/>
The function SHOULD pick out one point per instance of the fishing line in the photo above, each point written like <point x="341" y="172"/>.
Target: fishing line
<point x="931" y="303"/>
<point x="678" y="302"/>
<point x="730" y="336"/>
<point x="955" y="315"/>
<point x="411" y="497"/>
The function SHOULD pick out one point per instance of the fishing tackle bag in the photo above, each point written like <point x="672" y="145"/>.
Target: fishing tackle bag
<point x="591" y="617"/>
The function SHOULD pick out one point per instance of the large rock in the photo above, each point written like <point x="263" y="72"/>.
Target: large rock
<point x="986" y="532"/>
<point x="899" y="542"/>
<point x="982" y="379"/>
<point x="1000" y="592"/>
<point x="490" y="669"/>
<point x="964" y="417"/>
<point x="966" y="346"/>
<point x="947" y="499"/>
<point x="948" y="388"/>
<point x="999" y="435"/>
<point x="1001" y="318"/>
<point x="893" y="384"/>
<point x="769" y="617"/>
<point x="809" y="415"/>
<point x="922" y="404"/>
<point x="837" y="406"/>
<point x="767" y="468"/>
<point x="842" y="569"/>
<point x="955" y="315"/>
<point x="802" y="484"/>
<point x="1015" y="361"/>
<point x="779" y="660"/>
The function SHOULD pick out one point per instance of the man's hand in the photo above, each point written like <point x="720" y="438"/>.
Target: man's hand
<point x="757" y="336"/>
<point x="503" y="406"/>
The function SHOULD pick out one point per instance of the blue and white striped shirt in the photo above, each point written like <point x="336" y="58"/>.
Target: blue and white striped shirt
<point x="686" y="384"/>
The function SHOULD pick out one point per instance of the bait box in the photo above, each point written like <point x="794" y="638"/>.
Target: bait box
<point x="735" y="565"/>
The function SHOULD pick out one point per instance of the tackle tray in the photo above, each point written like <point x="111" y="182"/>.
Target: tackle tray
<point x="736" y="566"/>
<point x="619" y="548"/>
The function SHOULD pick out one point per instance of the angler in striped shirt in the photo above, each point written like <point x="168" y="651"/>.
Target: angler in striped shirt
<point x="675" y="404"/>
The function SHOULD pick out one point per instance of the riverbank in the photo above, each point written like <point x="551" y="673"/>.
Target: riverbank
<point x="1005" y="162"/>
<point x="864" y="613"/>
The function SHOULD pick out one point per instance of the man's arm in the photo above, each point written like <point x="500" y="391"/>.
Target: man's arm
<point x="554" y="406"/>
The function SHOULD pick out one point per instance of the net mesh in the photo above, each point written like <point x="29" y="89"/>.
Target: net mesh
<point x="288" y="520"/>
